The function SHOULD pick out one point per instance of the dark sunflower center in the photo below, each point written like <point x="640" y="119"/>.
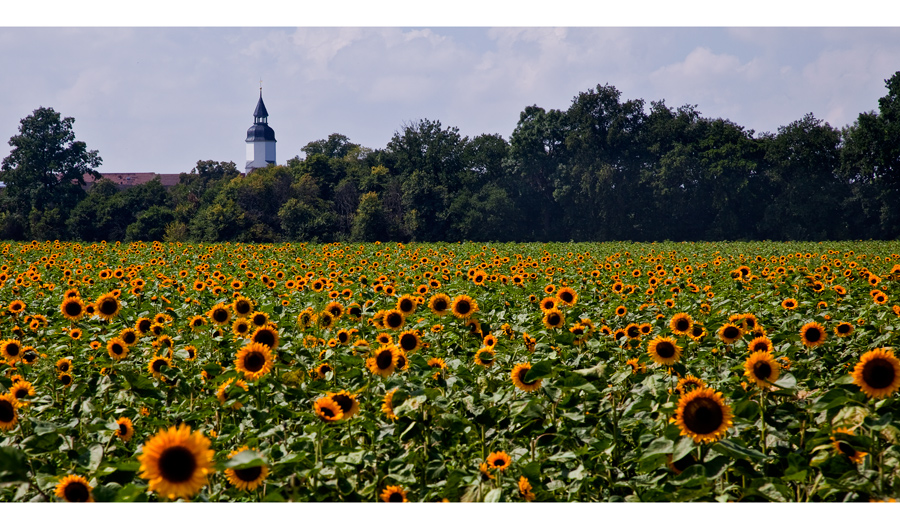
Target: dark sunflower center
<point x="328" y="412"/>
<point x="177" y="464"/>
<point x="158" y="365"/>
<point x="30" y="356"/>
<point x="342" y="337"/>
<point x="12" y="349"/>
<point x="335" y="311"/>
<point x="406" y="305"/>
<point x="76" y="492"/>
<point x="665" y="349"/>
<point x="760" y="347"/>
<point x="879" y="373"/>
<point x="762" y="370"/>
<point x="553" y="319"/>
<point x="265" y="337"/>
<point x="401" y="362"/>
<point x="123" y="429"/>
<point x="144" y="325"/>
<point x="703" y="415"/>
<point x="7" y="411"/>
<point x="846" y="449"/>
<point x="355" y="312"/>
<point x="384" y="359"/>
<point x="633" y="332"/>
<point x="408" y="342"/>
<point x="463" y="306"/>
<point x="117" y="349"/>
<point x="20" y="393"/>
<point x="345" y="402"/>
<point x="66" y="380"/>
<point x="220" y="315"/>
<point x="522" y="374"/>
<point x="63" y="367"/>
<point x="731" y="333"/>
<point x="109" y="306"/>
<point x="440" y="305"/>
<point x="813" y="334"/>
<point x="254" y="361"/>
<point x="248" y="474"/>
<point x="394" y="320"/>
<point x="843" y="328"/>
<point x="324" y="369"/>
<point x="499" y="462"/>
<point x="242" y="307"/>
<point x="395" y="497"/>
<point x="566" y="296"/>
<point x="73" y="308"/>
<point x="326" y="319"/>
<point x="129" y="338"/>
<point x="682" y="325"/>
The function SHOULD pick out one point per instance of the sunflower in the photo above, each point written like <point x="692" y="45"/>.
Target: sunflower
<point x="240" y="327"/>
<point x="681" y="323"/>
<point x="439" y="304"/>
<point x="156" y="364"/>
<point x="266" y="335"/>
<point x="877" y="373"/>
<point x="485" y="357"/>
<point x="525" y="489"/>
<point x="812" y="334"/>
<point x="325" y="320"/>
<point x="219" y="314"/>
<point x="843" y="447"/>
<point x="499" y="460"/>
<point x="636" y="365"/>
<point x="74" y="488"/>
<point x="254" y="360"/>
<point x="335" y="309"/>
<point x="222" y="392"/>
<point x="107" y="306"/>
<point x="760" y="345"/>
<point x="72" y="308"/>
<point x="703" y="415"/>
<point x="567" y="296"/>
<point x="12" y="350"/>
<point x="548" y="304"/>
<point x="407" y="304"/>
<point x="554" y="319"/>
<point x="384" y="338"/>
<point x="117" y="349"/>
<point x="259" y="318"/>
<point x="843" y="329"/>
<point x="347" y="402"/>
<point x="129" y="336"/>
<point x="65" y="379"/>
<point x="393" y="494"/>
<point x="243" y="306"/>
<point x="789" y="304"/>
<point x="402" y="361"/>
<point x="176" y="462"/>
<point x="125" y="430"/>
<point x="387" y="405"/>
<point x="518" y="377"/>
<point x="463" y="307"/>
<point x="409" y="341"/>
<point x="328" y="410"/>
<point x="730" y="333"/>
<point x="17" y="307"/>
<point x="394" y="319"/>
<point x="664" y="350"/>
<point x="762" y="369"/>
<point x="688" y="383"/>
<point x="8" y="414"/>
<point x="621" y="310"/>
<point x="246" y="478"/>
<point x="384" y="360"/>
<point x="21" y="389"/>
<point x="489" y="341"/>
<point x="63" y="365"/>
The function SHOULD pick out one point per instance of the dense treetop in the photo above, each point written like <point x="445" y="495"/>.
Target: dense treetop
<point x="606" y="168"/>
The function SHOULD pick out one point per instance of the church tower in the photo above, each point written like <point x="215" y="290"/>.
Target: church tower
<point x="260" y="139"/>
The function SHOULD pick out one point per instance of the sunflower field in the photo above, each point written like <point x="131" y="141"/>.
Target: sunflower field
<point x="564" y="372"/>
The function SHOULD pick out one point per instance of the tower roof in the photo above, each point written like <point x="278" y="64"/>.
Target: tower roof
<point x="260" y="111"/>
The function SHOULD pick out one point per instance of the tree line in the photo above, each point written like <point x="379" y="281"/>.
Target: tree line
<point x="606" y="168"/>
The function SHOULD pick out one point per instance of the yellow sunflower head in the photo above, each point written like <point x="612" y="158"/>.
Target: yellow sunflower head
<point x="347" y="402"/>
<point x="518" y="378"/>
<point x="664" y="350"/>
<point x="393" y="494"/>
<point x="878" y="373"/>
<point x="813" y="334"/>
<point x="107" y="306"/>
<point x="328" y="410"/>
<point x="254" y="360"/>
<point x="126" y="429"/>
<point x="246" y="478"/>
<point x="176" y="462"/>
<point x="9" y="414"/>
<point x="703" y="415"/>
<point x="681" y="323"/>
<point x="74" y="489"/>
<point x="266" y="335"/>
<point x="762" y="369"/>
<point x="499" y="460"/>
<point x="463" y="307"/>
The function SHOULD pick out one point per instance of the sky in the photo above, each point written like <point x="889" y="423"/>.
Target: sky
<point x="158" y="99"/>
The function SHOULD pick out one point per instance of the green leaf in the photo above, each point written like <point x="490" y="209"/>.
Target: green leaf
<point x="682" y="448"/>
<point x="13" y="464"/>
<point x="493" y="496"/>
<point x="661" y="446"/>
<point x="731" y="448"/>
<point x="592" y="373"/>
<point x="130" y="493"/>
<point x="538" y="370"/>
<point x="245" y="459"/>
<point x="833" y="398"/>
<point x="786" y="381"/>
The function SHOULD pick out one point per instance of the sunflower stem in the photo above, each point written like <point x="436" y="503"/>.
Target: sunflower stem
<point x="762" y="418"/>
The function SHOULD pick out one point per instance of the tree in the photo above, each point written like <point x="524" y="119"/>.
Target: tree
<point x="45" y="169"/>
